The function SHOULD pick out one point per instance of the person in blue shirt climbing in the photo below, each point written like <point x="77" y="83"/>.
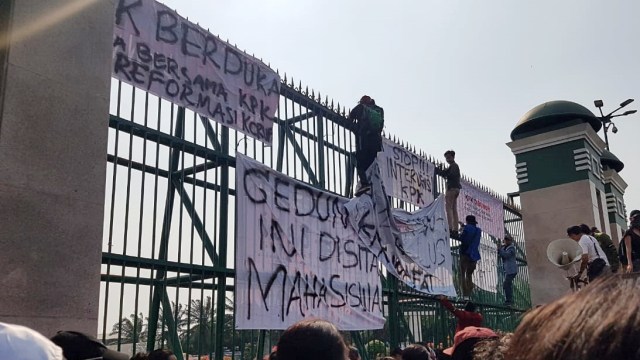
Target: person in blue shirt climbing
<point x="469" y="253"/>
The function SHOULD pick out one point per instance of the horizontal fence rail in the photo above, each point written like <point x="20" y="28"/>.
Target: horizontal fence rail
<point x="169" y="230"/>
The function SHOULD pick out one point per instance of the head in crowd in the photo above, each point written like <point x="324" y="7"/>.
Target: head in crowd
<point x="354" y="354"/>
<point x="465" y="341"/>
<point x="470" y="219"/>
<point x="450" y="156"/>
<point x="415" y="352"/>
<point x="492" y="348"/>
<point x="140" y="356"/>
<point x="80" y="346"/>
<point x="21" y="343"/>
<point x="396" y="353"/>
<point x="634" y="219"/>
<point x="574" y="232"/>
<point x="161" y="354"/>
<point x="601" y="321"/>
<point x="311" y="339"/>
<point x="586" y="229"/>
<point x="271" y="355"/>
<point x="470" y="306"/>
<point x="594" y="230"/>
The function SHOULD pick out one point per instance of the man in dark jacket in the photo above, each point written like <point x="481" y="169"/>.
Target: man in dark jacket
<point x="366" y="121"/>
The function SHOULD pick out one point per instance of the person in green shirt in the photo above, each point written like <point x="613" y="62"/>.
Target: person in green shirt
<point x="608" y="247"/>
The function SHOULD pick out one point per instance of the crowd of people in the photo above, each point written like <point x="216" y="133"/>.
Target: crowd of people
<point x="578" y="326"/>
<point x="22" y="343"/>
<point x="599" y="254"/>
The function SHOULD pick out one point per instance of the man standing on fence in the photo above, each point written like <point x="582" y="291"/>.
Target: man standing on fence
<point x="452" y="174"/>
<point x="469" y="254"/>
<point x="507" y="253"/>
<point x="366" y="121"/>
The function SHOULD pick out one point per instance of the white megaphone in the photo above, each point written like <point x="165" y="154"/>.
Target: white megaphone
<point x="563" y="253"/>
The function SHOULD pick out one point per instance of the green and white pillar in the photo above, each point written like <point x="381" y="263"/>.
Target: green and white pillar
<point x="561" y="183"/>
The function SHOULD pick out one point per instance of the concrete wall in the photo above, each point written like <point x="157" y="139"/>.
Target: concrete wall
<point x="53" y="140"/>
<point x="547" y="213"/>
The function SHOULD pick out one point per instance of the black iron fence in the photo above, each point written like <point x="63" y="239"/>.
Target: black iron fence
<point x="168" y="253"/>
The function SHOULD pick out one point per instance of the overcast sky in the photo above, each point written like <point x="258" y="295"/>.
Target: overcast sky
<point x="450" y="74"/>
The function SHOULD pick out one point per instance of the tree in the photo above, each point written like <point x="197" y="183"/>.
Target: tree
<point x="199" y="337"/>
<point x="130" y="330"/>
<point x="201" y="319"/>
<point x="162" y="329"/>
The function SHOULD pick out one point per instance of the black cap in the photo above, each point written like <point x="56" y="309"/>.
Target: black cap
<point x="79" y="346"/>
<point x="470" y="219"/>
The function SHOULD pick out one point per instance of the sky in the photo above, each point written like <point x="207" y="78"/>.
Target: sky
<point x="450" y="74"/>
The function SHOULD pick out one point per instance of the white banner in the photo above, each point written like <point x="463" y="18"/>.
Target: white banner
<point x="157" y="50"/>
<point x="405" y="175"/>
<point x="414" y="247"/>
<point x="486" y="274"/>
<point x="297" y="256"/>
<point x="486" y="208"/>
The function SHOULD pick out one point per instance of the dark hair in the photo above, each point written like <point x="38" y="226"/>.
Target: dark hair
<point x="634" y="213"/>
<point x="365" y="99"/>
<point x="464" y="350"/>
<point x="353" y="353"/>
<point x="574" y="230"/>
<point x="415" y="352"/>
<point x="470" y="306"/>
<point x="450" y="152"/>
<point x="396" y="351"/>
<point x="312" y="339"/>
<point x="586" y="229"/>
<point x="594" y="230"/>
<point x="578" y="326"/>
<point x="140" y="356"/>
<point x="160" y="354"/>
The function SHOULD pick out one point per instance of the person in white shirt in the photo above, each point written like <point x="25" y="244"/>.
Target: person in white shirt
<point x="594" y="259"/>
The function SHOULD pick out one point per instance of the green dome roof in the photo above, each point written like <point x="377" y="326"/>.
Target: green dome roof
<point x="611" y="161"/>
<point x="553" y="115"/>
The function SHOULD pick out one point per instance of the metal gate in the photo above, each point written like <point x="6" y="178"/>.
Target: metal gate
<point x="169" y="230"/>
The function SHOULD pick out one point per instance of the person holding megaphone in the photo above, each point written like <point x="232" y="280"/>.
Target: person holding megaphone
<point x="593" y="258"/>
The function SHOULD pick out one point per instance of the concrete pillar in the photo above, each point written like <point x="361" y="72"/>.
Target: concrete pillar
<point x="54" y="104"/>
<point x="560" y="179"/>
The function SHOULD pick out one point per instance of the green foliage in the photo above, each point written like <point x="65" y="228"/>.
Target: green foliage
<point x="376" y="348"/>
